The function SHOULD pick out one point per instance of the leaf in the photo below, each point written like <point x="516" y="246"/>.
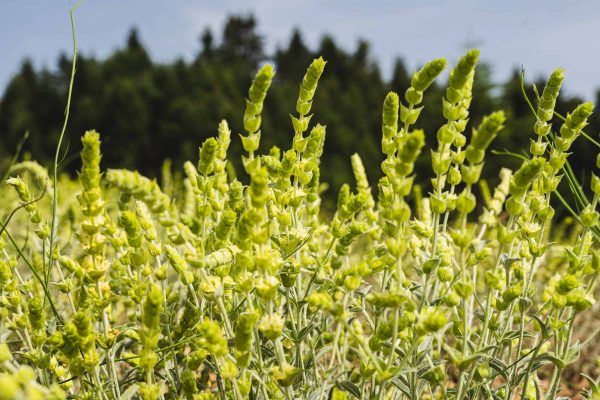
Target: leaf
<point x="400" y="385"/>
<point x="551" y="357"/>
<point x="542" y="325"/>
<point x="573" y="353"/>
<point x="305" y="331"/>
<point x="130" y="392"/>
<point x="350" y="388"/>
<point x="500" y="367"/>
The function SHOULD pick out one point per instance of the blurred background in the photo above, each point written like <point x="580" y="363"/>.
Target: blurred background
<point x="156" y="77"/>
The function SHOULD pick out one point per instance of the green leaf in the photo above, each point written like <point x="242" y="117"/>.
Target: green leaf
<point x="130" y="392"/>
<point x="542" y="325"/>
<point x="573" y="353"/>
<point x="551" y="357"/>
<point x="350" y="388"/>
<point x="500" y="367"/>
<point x="402" y="386"/>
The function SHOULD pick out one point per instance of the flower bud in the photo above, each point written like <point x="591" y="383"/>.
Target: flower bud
<point x="525" y="175"/>
<point x="549" y="95"/>
<point x="483" y="135"/>
<point x="589" y="216"/>
<point x="256" y="96"/>
<point x="271" y="326"/>
<point x="452" y="299"/>
<point x="152" y="308"/>
<point x="431" y="321"/>
<point x="309" y="85"/>
<point x="423" y="78"/>
<point x="208" y="154"/>
<point x="462" y="72"/>
<point x="580" y="300"/>
<point x="567" y="284"/>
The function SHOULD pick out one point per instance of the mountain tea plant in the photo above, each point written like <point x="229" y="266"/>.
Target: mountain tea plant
<point x="116" y="287"/>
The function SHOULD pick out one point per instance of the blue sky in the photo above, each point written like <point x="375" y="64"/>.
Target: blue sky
<point x="540" y="34"/>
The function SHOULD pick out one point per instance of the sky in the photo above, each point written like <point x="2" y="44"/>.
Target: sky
<point x="538" y="34"/>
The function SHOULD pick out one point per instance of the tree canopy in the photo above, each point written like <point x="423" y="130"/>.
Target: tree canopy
<point x="148" y="112"/>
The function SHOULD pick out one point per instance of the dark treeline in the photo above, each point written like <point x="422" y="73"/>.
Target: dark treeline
<point x="147" y="112"/>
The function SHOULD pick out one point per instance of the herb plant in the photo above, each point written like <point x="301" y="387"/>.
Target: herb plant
<point x="116" y="287"/>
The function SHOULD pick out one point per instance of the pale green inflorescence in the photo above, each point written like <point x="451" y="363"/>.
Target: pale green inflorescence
<point x="254" y="107"/>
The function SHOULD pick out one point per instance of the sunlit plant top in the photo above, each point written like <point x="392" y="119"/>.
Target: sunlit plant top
<point x="116" y="287"/>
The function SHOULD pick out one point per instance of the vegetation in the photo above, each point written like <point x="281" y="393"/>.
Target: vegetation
<point x="167" y="109"/>
<point x="114" y="286"/>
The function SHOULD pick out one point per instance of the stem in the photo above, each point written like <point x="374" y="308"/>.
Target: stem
<point x="60" y="139"/>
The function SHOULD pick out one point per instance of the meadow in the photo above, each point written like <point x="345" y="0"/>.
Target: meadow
<point x="206" y="285"/>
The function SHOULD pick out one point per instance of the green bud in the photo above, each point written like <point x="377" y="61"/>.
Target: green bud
<point x="175" y="259"/>
<point x="285" y="375"/>
<point x="440" y="162"/>
<point x="464" y="289"/>
<point x="36" y="313"/>
<point x="212" y="338"/>
<point x="132" y="227"/>
<point x="387" y="300"/>
<point x="454" y="176"/>
<point x="559" y="301"/>
<point x="9" y="387"/>
<point x="589" y="216"/>
<point x="390" y="115"/>
<point x="466" y="202"/>
<point x="257" y="94"/>
<point x="413" y="96"/>
<point x="152" y="308"/>
<point x="471" y="173"/>
<point x="452" y="299"/>
<point x="446" y="134"/>
<point x="225" y="225"/>
<point x="525" y="175"/>
<point x="459" y="141"/>
<point x="580" y="300"/>
<point x="576" y="120"/>
<point x="431" y="321"/>
<point x="423" y="78"/>
<point x="567" y="284"/>
<point x="70" y="265"/>
<point x="319" y="300"/>
<point x="352" y="282"/>
<point x="537" y="148"/>
<point x="309" y="85"/>
<point x="259" y="192"/>
<point x="149" y="391"/>
<point x="89" y="176"/>
<point x="410" y="147"/>
<point x="437" y="204"/>
<point x="484" y="134"/>
<point x="338" y="394"/>
<point x="208" y="154"/>
<point x="462" y="72"/>
<point x="271" y="326"/>
<point x="511" y="293"/>
<point x="445" y="274"/>
<point x="196" y="358"/>
<point x="251" y="142"/>
<point x="409" y="116"/>
<point x="595" y="184"/>
<point x="22" y="190"/>
<point x="550" y="94"/>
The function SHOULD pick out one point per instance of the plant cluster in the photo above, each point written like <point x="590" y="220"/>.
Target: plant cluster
<point x="182" y="101"/>
<point x="116" y="287"/>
